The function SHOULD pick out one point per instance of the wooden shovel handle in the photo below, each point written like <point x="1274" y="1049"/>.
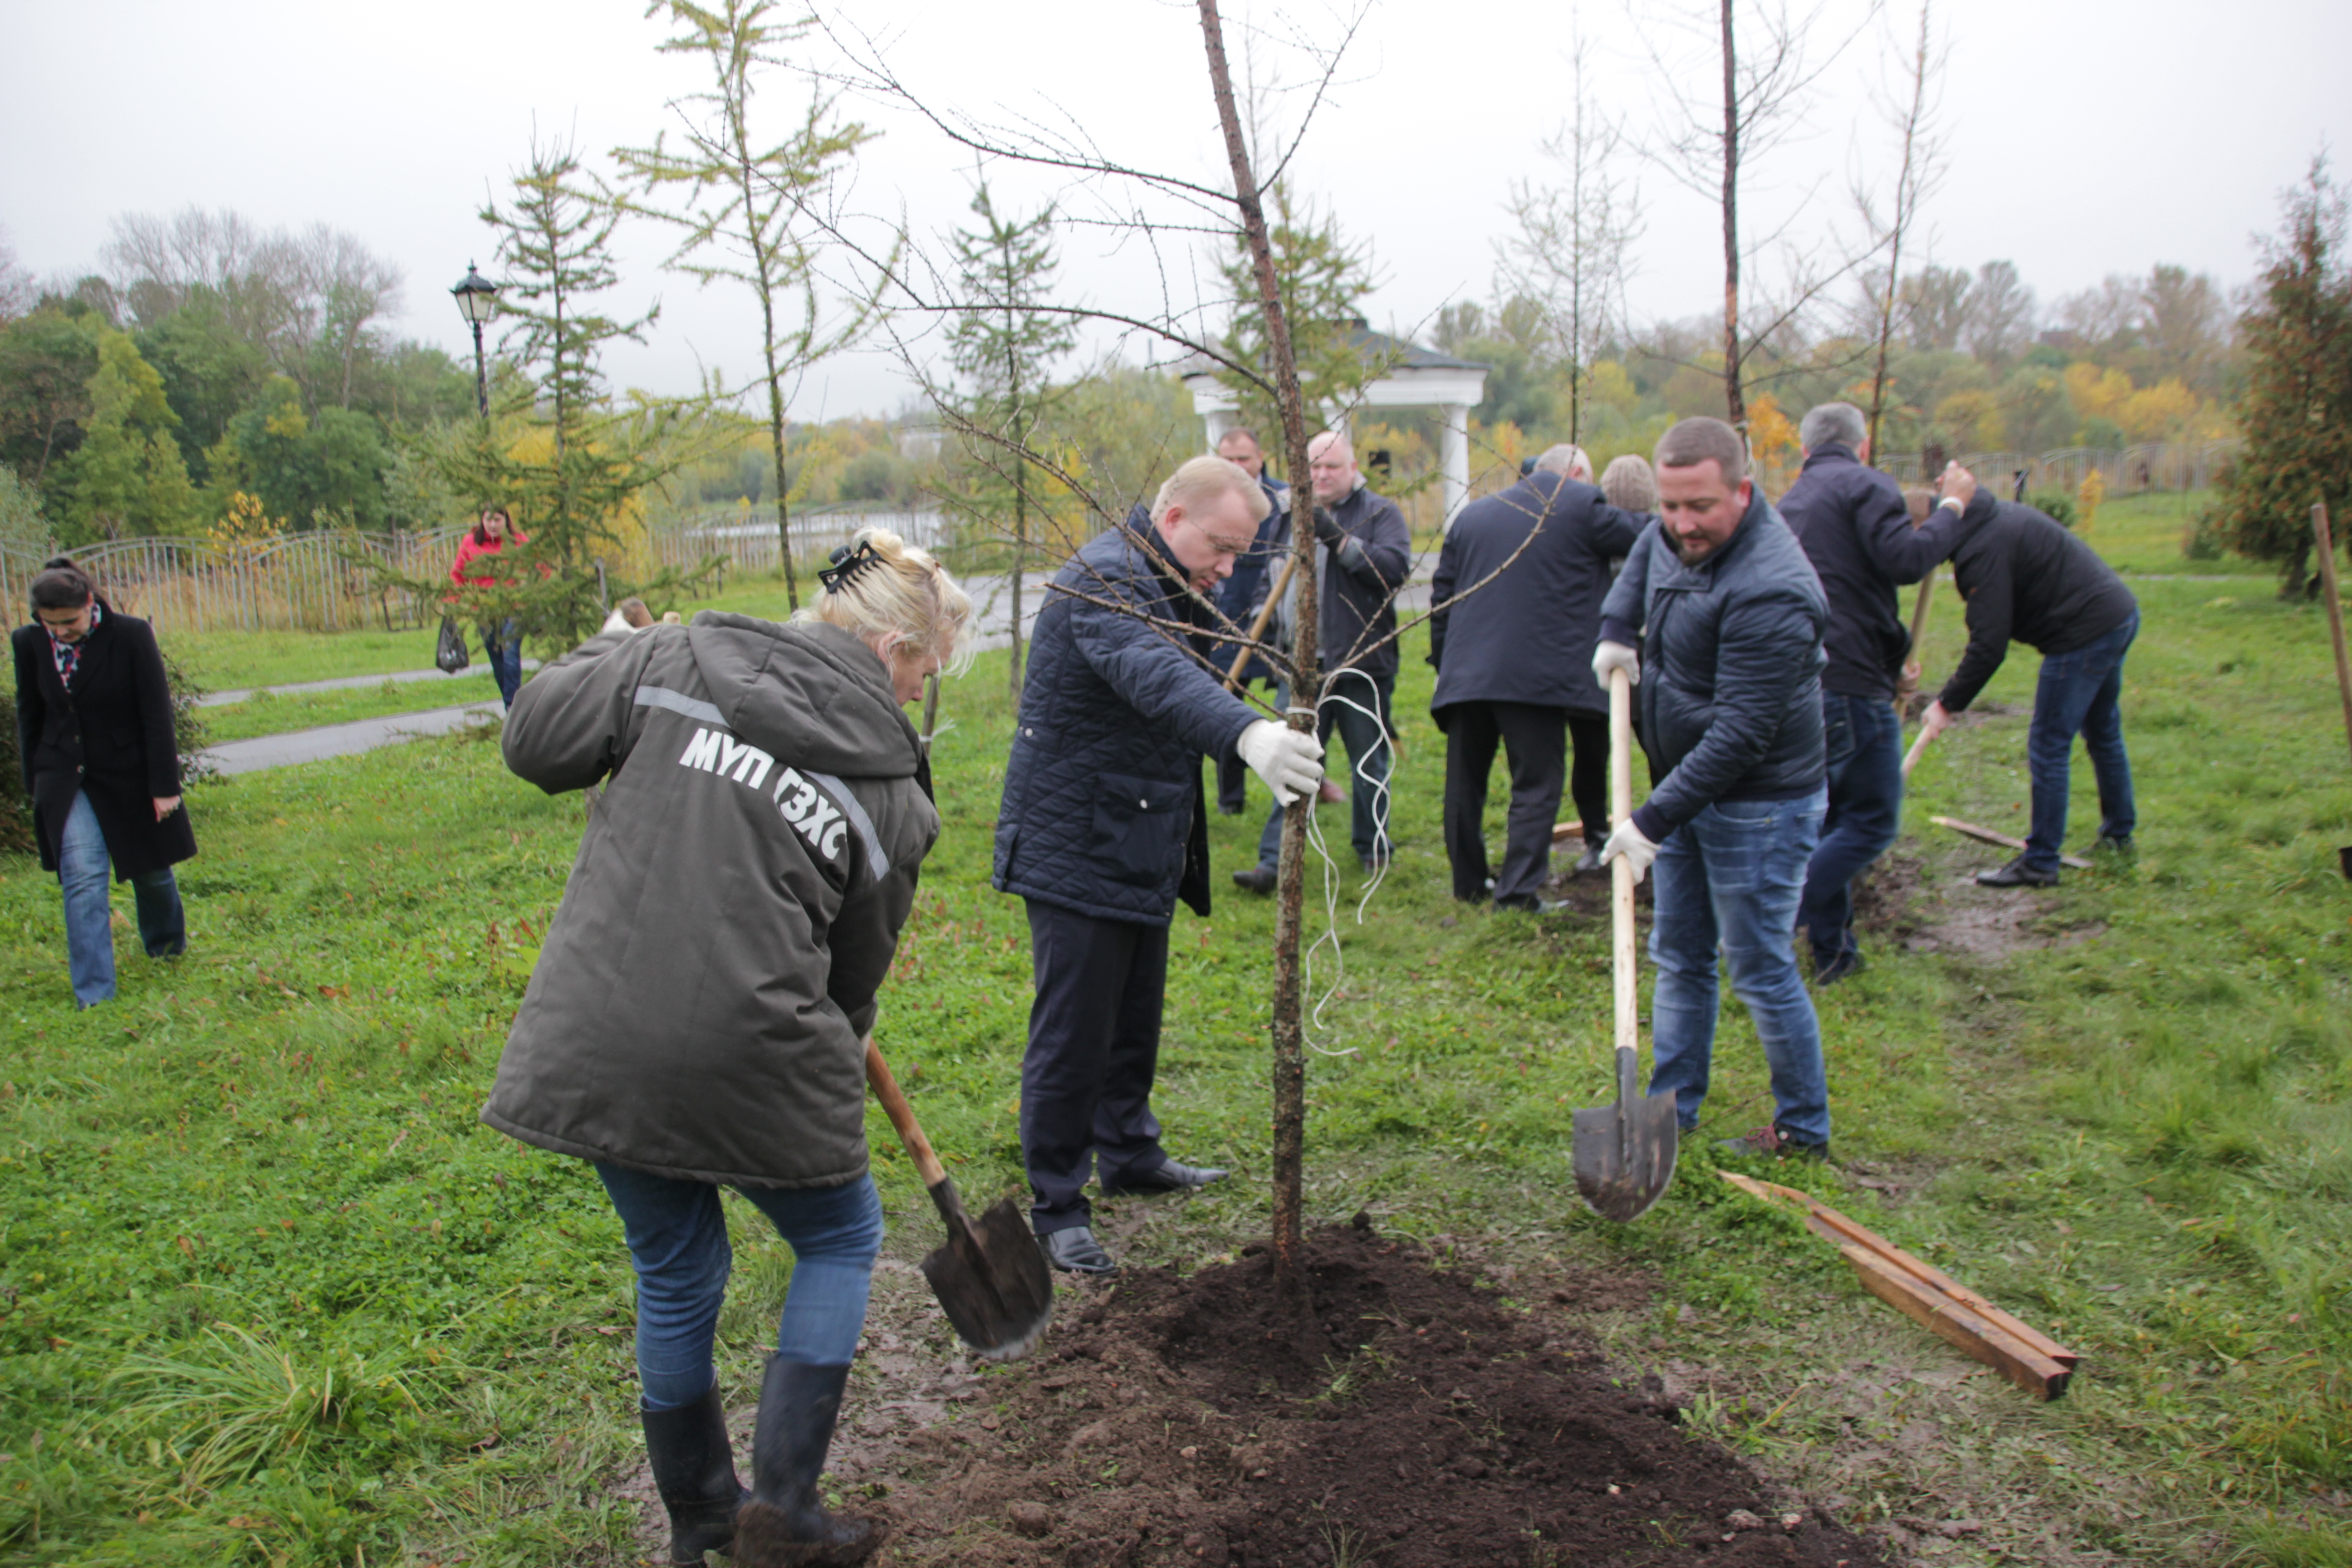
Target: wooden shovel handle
<point x="1620" y="892"/>
<point x="1257" y="626"/>
<point x="902" y="1116"/>
<point x="1911" y="757"/>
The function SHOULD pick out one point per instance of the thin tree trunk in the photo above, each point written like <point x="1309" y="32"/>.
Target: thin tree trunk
<point x="1735" y="404"/>
<point x="1020" y="548"/>
<point x="1288" y="1029"/>
<point x="1894" y="243"/>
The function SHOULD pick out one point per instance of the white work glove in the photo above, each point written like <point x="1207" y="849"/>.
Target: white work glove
<point x="1612" y="655"/>
<point x="1289" y="760"/>
<point x="1628" y="841"/>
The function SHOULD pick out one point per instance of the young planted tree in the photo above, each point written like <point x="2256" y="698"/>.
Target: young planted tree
<point x="1572" y="236"/>
<point x="1321" y="280"/>
<point x="2296" y="410"/>
<point x="1912" y="114"/>
<point x="1003" y="343"/>
<point x="570" y="464"/>
<point x="746" y="210"/>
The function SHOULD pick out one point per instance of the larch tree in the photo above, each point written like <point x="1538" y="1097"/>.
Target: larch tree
<point x="1004" y="344"/>
<point x="1911" y="113"/>
<point x="747" y="207"/>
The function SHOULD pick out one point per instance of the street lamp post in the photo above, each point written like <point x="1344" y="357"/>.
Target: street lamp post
<point x="477" y="302"/>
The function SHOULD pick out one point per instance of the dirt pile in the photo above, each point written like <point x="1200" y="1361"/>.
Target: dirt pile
<point x="1415" y="1424"/>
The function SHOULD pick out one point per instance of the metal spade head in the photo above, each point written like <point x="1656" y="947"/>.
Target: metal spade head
<point x="991" y="1280"/>
<point x="1624" y="1154"/>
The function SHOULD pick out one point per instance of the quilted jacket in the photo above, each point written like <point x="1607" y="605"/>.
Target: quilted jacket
<point x="1731" y="668"/>
<point x="1102" y="810"/>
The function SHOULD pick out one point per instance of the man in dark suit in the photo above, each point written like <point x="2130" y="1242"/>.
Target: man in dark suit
<point x="1245" y="588"/>
<point x="1102" y="832"/>
<point x="1514" y="667"/>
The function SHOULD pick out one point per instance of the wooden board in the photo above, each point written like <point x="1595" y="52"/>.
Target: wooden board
<point x="1986" y="835"/>
<point x="1949" y="1320"/>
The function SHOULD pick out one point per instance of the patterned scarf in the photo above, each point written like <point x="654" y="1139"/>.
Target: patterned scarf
<point x="68" y="654"/>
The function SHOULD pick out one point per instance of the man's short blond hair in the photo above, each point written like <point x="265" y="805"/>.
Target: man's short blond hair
<point x="1202" y="480"/>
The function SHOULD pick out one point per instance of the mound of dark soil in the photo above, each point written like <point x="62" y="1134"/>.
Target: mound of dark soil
<point x="1415" y="1423"/>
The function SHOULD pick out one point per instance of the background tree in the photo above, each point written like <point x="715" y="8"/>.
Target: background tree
<point x="47" y="360"/>
<point x="745" y="209"/>
<point x="1322" y="280"/>
<point x="2297" y="407"/>
<point x="127" y="475"/>
<point x="1911" y="113"/>
<point x="1003" y="343"/>
<point x="1570" y="246"/>
<point x="2000" y="315"/>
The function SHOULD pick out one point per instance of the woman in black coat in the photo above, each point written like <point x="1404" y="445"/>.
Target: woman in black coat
<point x="94" y="729"/>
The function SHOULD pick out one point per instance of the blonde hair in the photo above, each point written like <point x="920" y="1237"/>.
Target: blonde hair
<point x="906" y="600"/>
<point x="1203" y="479"/>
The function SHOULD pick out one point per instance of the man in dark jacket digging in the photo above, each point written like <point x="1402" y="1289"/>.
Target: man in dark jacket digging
<point x="1514" y="668"/>
<point x="2028" y="580"/>
<point x="1728" y="617"/>
<point x="1364" y="553"/>
<point x="1857" y="531"/>
<point x="1102" y="829"/>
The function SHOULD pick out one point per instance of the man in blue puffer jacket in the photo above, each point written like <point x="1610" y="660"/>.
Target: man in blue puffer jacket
<point x="1729" y="616"/>
<point x="1102" y="830"/>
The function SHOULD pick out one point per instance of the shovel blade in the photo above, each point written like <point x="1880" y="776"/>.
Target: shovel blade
<point x="1624" y="1154"/>
<point x="991" y="1282"/>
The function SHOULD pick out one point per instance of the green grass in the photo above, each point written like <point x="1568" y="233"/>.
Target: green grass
<point x="267" y="712"/>
<point x="2145" y="535"/>
<point x="271" y="1295"/>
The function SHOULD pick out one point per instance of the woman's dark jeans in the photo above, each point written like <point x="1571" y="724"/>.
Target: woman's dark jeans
<point x="502" y="645"/>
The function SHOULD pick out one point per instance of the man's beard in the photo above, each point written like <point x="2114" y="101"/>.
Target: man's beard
<point x="1693" y="551"/>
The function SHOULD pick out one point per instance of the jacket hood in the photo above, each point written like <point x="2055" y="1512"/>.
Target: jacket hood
<point x="807" y="691"/>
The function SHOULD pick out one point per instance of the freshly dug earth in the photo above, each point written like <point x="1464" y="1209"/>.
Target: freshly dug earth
<point x="1415" y="1423"/>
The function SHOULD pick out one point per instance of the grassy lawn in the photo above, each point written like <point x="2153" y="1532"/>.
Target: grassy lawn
<point x="268" y="1294"/>
<point x="267" y="712"/>
<point x="2144" y="535"/>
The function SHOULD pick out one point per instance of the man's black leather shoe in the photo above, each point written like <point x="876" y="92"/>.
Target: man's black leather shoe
<point x="2017" y="874"/>
<point x="1837" y="966"/>
<point x="1172" y="1177"/>
<point x="1258" y="879"/>
<point x="1076" y="1251"/>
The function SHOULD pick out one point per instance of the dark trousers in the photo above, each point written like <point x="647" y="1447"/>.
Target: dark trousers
<point x="1093" y="1048"/>
<point x="1587" y="782"/>
<point x="2080" y="693"/>
<point x="1866" y="757"/>
<point x="1535" y="740"/>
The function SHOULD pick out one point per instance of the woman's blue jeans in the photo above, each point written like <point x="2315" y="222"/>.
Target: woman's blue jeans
<point x="677" y="1233"/>
<point x="1728" y="880"/>
<point x="84" y="872"/>
<point x="502" y="645"/>
<point x="2080" y="693"/>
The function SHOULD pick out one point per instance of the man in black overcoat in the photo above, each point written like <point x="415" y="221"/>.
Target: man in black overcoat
<point x="1515" y="668"/>
<point x="102" y="770"/>
<point x="1102" y="830"/>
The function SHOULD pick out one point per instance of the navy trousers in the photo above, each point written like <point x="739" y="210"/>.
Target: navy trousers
<point x="1094" y="1048"/>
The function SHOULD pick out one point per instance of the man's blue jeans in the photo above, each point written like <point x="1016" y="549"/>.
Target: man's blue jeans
<point x="2080" y="693"/>
<point x="83" y="873"/>
<point x="502" y="645"/>
<point x="677" y="1240"/>
<point x="1355" y="697"/>
<point x="1728" y="880"/>
<point x="1866" y="809"/>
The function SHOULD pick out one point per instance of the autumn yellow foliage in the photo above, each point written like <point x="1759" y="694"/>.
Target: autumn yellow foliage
<point x="2087" y="497"/>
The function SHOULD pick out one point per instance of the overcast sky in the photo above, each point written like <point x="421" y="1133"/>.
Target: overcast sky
<point x="2082" y="139"/>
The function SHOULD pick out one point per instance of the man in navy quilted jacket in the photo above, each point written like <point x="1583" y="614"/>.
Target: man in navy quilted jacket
<point x="1103" y="828"/>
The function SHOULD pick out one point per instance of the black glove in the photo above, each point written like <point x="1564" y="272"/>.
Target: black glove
<point x="1327" y="529"/>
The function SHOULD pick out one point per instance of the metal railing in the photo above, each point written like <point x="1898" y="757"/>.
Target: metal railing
<point x="2128" y="470"/>
<point x="748" y="538"/>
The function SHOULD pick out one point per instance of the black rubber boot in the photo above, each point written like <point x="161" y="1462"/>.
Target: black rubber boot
<point x="784" y="1521"/>
<point x="694" y="1472"/>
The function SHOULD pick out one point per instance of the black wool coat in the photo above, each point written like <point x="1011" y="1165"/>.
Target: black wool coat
<point x="1526" y="635"/>
<point x="109" y="736"/>
<point x="1103" y="806"/>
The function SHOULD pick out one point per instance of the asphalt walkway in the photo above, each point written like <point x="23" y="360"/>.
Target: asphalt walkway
<point x="343" y="740"/>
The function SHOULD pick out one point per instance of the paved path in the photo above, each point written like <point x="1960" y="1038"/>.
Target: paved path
<point x="344" y="683"/>
<point x="341" y="740"/>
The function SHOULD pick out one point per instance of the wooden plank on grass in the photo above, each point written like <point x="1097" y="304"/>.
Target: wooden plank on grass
<point x="1986" y="835"/>
<point x="1949" y="1320"/>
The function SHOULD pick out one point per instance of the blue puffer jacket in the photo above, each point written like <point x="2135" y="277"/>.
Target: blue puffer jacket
<point x="1102" y="809"/>
<point x="1731" y="668"/>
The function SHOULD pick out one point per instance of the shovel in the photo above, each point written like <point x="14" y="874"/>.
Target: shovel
<point x="1625" y="1153"/>
<point x="989" y="1277"/>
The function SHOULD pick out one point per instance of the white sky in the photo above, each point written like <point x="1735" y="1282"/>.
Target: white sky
<point x="2082" y="139"/>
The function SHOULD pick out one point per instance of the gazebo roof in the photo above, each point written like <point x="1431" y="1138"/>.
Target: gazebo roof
<point x="1403" y="353"/>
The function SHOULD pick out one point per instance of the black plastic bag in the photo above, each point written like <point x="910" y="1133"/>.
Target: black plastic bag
<point x="451" y="653"/>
